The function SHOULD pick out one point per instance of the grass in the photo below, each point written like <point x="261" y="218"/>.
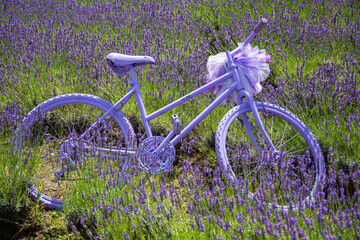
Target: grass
<point x="15" y="215"/>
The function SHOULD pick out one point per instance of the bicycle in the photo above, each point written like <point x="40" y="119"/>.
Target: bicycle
<point x="68" y="137"/>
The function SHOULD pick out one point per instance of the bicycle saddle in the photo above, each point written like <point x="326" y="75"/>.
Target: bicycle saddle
<point x="121" y="63"/>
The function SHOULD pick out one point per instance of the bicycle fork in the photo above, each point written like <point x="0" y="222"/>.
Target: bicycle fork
<point x="239" y="77"/>
<point x="254" y="110"/>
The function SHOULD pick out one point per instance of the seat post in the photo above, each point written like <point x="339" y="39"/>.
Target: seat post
<point x="134" y="83"/>
<point x="134" y="80"/>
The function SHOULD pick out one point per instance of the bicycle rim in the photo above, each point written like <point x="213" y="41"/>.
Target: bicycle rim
<point x="289" y="175"/>
<point x="67" y="152"/>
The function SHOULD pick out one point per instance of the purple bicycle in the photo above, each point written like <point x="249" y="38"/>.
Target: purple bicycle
<point x="258" y="145"/>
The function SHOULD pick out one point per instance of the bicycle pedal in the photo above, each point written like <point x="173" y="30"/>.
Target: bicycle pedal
<point x="175" y="121"/>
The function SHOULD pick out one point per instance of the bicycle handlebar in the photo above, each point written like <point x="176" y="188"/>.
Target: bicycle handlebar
<point x="260" y="25"/>
<point x="257" y="29"/>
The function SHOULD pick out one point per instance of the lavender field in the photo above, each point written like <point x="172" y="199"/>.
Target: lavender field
<point x="50" y="48"/>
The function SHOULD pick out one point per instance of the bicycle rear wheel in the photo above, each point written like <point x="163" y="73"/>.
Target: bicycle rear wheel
<point x="288" y="176"/>
<point x="57" y="132"/>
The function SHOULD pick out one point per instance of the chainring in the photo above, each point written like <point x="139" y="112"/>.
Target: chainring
<point x="149" y="161"/>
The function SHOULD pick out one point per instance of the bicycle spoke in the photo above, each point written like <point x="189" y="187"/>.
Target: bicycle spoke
<point x="255" y="169"/>
<point x="53" y="128"/>
<point x="235" y="140"/>
<point x="253" y="162"/>
<point x="92" y="125"/>
<point x="69" y="120"/>
<point x="87" y="124"/>
<point x="272" y="118"/>
<point x="267" y="173"/>
<point x="298" y="150"/>
<point x="290" y="139"/>
<point x="228" y="144"/>
<point x="82" y="127"/>
<point x="58" y="122"/>
<point x="236" y="149"/>
<point x="75" y="117"/>
<point x="42" y="132"/>
<point x="277" y="129"/>
<point x="60" y="109"/>
<point x="291" y="155"/>
<point x="299" y="177"/>
<point x="280" y="142"/>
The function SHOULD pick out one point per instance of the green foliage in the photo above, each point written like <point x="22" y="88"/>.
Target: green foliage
<point x="15" y="175"/>
<point x="16" y="216"/>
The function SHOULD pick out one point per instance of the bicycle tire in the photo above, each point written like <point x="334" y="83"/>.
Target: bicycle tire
<point x="52" y="129"/>
<point x="289" y="176"/>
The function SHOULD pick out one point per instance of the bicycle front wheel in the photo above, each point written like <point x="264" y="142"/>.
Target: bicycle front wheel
<point x="72" y="143"/>
<point x="288" y="176"/>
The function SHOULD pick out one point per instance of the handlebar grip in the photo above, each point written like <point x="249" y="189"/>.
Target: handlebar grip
<point x="260" y="25"/>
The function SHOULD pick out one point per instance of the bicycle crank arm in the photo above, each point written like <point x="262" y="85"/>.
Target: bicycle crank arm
<point x="163" y="143"/>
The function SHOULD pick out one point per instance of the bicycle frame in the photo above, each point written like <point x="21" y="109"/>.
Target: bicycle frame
<point x="234" y="73"/>
<point x="238" y="85"/>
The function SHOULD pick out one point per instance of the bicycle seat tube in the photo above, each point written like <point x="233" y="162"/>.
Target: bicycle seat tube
<point x="134" y="83"/>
